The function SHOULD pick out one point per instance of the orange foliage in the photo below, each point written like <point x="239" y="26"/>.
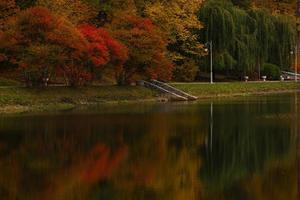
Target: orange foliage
<point x="147" y="49"/>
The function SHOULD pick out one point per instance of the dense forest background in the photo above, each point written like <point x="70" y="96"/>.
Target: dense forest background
<point x="121" y="41"/>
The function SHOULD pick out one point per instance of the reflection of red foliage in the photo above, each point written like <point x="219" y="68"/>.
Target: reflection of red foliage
<point x="2" y="57"/>
<point x="101" y="162"/>
<point x="97" y="165"/>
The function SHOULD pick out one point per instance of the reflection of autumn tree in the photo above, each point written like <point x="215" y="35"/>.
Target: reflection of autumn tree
<point x="158" y="154"/>
<point x="278" y="183"/>
<point x="164" y="163"/>
<point x="65" y="162"/>
<point x="96" y="166"/>
<point x="71" y="183"/>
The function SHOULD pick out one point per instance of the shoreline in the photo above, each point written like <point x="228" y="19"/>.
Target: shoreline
<point x="16" y="100"/>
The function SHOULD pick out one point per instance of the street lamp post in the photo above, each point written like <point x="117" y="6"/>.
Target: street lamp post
<point x="295" y="53"/>
<point x="209" y="47"/>
<point x="296" y="62"/>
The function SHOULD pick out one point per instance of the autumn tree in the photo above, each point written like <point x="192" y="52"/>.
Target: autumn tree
<point x="104" y="51"/>
<point x="8" y="8"/>
<point x="76" y="11"/>
<point x="178" y="19"/>
<point x="40" y="42"/>
<point x="147" y="49"/>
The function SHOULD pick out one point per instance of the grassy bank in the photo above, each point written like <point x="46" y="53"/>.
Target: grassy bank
<point x="236" y="88"/>
<point x="18" y="99"/>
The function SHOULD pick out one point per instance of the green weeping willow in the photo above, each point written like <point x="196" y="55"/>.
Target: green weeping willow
<point x="244" y="40"/>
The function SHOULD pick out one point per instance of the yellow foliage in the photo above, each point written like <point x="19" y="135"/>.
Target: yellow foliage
<point x="74" y="10"/>
<point x="177" y="18"/>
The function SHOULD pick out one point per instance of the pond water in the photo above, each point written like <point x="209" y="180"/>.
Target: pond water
<point x="241" y="148"/>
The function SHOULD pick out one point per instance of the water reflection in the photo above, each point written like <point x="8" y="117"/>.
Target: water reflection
<point x="232" y="149"/>
<point x="247" y="139"/>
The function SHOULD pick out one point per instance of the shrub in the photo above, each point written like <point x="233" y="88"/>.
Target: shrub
<point x="271" y="71"/>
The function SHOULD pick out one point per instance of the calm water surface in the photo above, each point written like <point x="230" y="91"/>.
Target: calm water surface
<point x="244" y="148"/>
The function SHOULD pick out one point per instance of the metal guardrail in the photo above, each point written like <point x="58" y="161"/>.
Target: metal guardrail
<point x="290" y="73"/>
<point x="175" y="93"/>
<point x="174" y="90"/>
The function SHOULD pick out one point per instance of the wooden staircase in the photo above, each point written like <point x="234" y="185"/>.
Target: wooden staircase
<point x="173" y="93"/>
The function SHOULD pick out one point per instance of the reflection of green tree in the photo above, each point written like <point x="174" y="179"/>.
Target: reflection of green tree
<point x="163" y="143"/>
<point x="245" y="138"/>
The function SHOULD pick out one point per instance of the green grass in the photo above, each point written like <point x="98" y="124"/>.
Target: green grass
<point x="20" y="99"/>
<point x="236" y="88"/>
<point x="8" y="82"/>
<point x="61" y="98"/>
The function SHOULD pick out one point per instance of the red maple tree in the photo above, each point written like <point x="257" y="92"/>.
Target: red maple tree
<point x="147" y="49"/>
<point x="104" y="50"/>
